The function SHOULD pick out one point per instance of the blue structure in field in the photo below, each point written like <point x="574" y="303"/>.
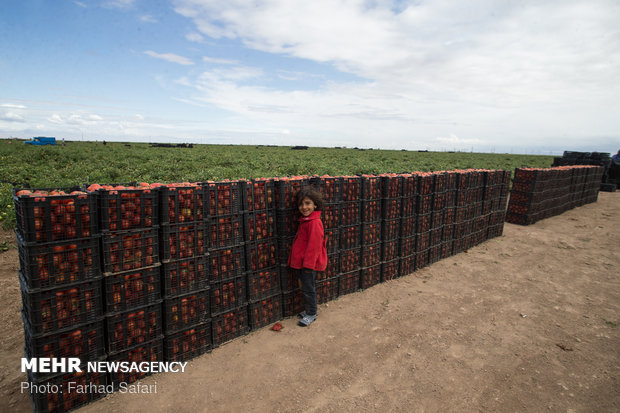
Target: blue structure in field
<point x="41" y="140"/>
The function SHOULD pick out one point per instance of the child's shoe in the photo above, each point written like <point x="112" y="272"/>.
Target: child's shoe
<point x="307" y="320"/>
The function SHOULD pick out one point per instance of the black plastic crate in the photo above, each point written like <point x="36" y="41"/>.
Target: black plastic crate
<point x="332" y="236"/>
<point x="72" y="391"/>
<point x="261" y="254"/>
<point x="265" y="311"/>
<point x="390" y="249"/>
<point x="422" y="240"/>
<point x="228" y="294"/>
<point x="372" y="187"/>
<point x="131" y="289"/>
<point x="407" y="226"/>
<point x="423" y="223"/>
<point x="224" y="197"/>
<point x="520" y="219"/>
<point x="292" y="303"/>
<point x="146" y="352"/>
<point x="188" y="343"/>
<point x="392" y="185"/>
<point x="128" y="250"/>
<point x="425" y="204"/>
<point x="122" y="209"/>
<point x="51" y="310"/>
<point x="426" y="183"/>
<point x="259" y="225"/>
<point x="133" y="327"/>
<point x="263" y="283"/>
<point x="229" y="325"/>
<point x="259" y="194"/>
<point x="407" y="264"/>
<point x="284" y="248"/>
<point x="407" y="246"/>
<point x="86" y="341"/>
<point x="329" y="186"/>
<point x="350" y="213"/>
<point x="409" y="206"/>
<point x="41" y="217"/>
<point x="287" y="222"/>
<point x="446" y="249"/>
<point x="437" y="219"/>
<point x="370" y="276"/>
<point x="421" y="259"/>
<point x="182" y="203"/>
<point x="56" y="264"/>
<point x="183" y="276"/>
<point x="350" y="259"/>
<point x="392" y="208"/>
<point x="351" y="188"/>
<point x="390" y="229"/>
<point x="410" y="185"/>
<point x="371" y="232"/>
<point x="371" y="210"/>
<point x="331" y="215"/>
<point x="289" y="280"/>
<point x="436" y="236"/>
<point x="225" y="231"/>
<point x="286" y="191"/>
<point x="371" y="255"/>
<point x="448" y="232"/>
<point x="184" y="241"/>
<point x="439" y="200"/>
<point x="327" y="290"/>
<point x="186" y="310"/>
<point x="226" y="263"/>
<point x="348" y="282"/>
<point x="350" y="236"/>
<point x="390" y="269"/>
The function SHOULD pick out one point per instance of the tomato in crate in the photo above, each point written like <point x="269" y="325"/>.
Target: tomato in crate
<point x="370" y="276"/>
<point x="351" y="188"/>
<point x="332" y="237"/>
<point x="330" y="187"/>
<point x="183" y="276"/>
<point x="228" y="294"/>
<point x="228" y="325"/>
<point x="331" y="215"/>
<point x="260" y="194"/>
<point x="423" y="223"/>
<point x="390" y="269"/>
<point x="371" y="210"/>
<point x="132" y="289"/>
<point x="332" y="269"/>
<point x="286" y="190"/>
<point x="260" y="225"/>
<point x="124" y="207"/>
<point x="263" y="283"/>
<point x="349" y="282"/>
<point x="292" y="303"/>
<point x="226" y="231"/>
<point x="188" y="343"/>
<point x="350" y="237"/>
<point x="350" y="259"/>
<point x="128" y="250"/>
<point x="49" y="215"/>
<point x="407" y="226"/>
<point x="151" y="351"/>
<point x="407" y="264"/>
<point x="224" y="197"/>
<point x="55" y="264"/>
<point x="133" y="327"/>
<point x="371" y="254"/>
<point x="265" y="311"/>
<point x="372" y="187"/>
<point x="390" y="229"/>
<point x="260" y="254"/>
<point x="183" y="202"/>
<point x="392" y="185"/>
<point x="186" y="310"/>
<point x="407" y="246"/>
<point x="351" y="213"/>
<point x="392" y="208"/>
<point x="327" y="290"/>
<point x="50" y="310"/>
<point x="184" y="241"/>
<point x="390" y="249"/>
<point x="371" y="232"/>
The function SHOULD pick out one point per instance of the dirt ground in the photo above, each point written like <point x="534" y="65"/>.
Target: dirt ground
<point x="525" y="322"/>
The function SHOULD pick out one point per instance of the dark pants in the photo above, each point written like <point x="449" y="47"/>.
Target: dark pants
<point x="308" y="288"/>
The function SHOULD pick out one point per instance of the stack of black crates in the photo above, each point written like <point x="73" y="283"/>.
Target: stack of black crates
<point x="185" y="283"/>
<point x="264" y="292"/>
<point x="129" y="225"/>
<point x="227" y="261"/>
<point x="60" y="281"/>
<point x="391" y="214"/>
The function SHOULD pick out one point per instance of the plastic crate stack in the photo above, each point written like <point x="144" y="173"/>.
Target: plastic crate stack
<point x="60" y="280"/>
<point x="227" y="262"/>
<point x="545" y="192"/>
<point x="334" y="208"/>
<point x="264" y="292"/>
<point x="184" y="217"/>
<point x="496" y="200"/>
<point x="350" y="229"/>
<point x="287" y="215"/>
<point x="391" y="212"/>
<point x="408" y="224"/>
<point x="129" y="225"/>
<point x="372" y="193"/>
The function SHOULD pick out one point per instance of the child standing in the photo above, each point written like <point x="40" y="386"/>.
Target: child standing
<point x="309" y="253"/>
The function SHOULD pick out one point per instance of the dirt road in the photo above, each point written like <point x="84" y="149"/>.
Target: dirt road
<point x="526" y="322"/>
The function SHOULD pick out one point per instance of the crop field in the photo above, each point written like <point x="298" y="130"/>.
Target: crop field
<point x="91" y="162"/>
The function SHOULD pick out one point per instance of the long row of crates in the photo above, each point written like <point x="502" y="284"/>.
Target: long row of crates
<point x="150" y="272"/>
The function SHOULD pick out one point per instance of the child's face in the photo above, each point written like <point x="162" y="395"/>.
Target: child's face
<point x="307" y="206"/>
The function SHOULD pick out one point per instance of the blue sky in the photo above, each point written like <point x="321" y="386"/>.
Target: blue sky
<point x="485" y="75"/>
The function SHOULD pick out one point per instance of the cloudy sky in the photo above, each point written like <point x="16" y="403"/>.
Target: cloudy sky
<point x="517" y="76"/>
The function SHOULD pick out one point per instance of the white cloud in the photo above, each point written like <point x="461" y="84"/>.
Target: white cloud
<point x="219" y="60"/>
<point x="170" y="57"/>
<point x="119" y="4"/>
<point x="11" y="116"/>
<point x="12" y="106"/>
<point x="147" y="18"/>
<point x="453" y="139"/>
<point x="79" y="3"/>
<point x="489" y="70"/>
<point x="194" y="37"/>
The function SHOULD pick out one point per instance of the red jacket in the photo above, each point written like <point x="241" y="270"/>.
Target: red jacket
<point x="309" y="246"/>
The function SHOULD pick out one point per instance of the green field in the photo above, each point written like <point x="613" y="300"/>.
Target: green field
<point x="81" y="162"/>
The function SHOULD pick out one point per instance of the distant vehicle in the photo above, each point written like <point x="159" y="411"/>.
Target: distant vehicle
<point x="41" y="140"/>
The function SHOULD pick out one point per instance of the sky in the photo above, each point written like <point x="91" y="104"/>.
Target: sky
<point x="514" y="76"/>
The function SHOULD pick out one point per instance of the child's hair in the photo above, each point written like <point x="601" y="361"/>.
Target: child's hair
<point x="313" y="194"/>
